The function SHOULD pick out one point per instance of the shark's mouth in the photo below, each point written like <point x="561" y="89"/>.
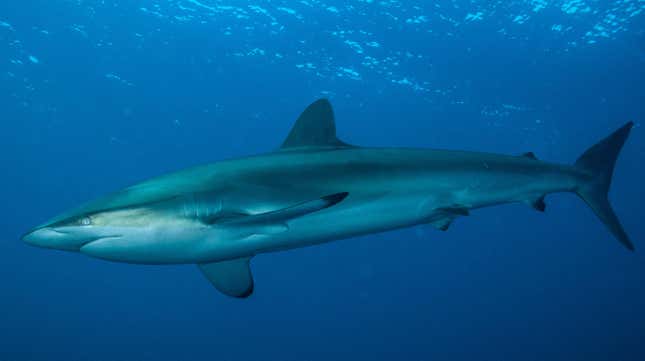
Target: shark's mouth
<point x="117" y="248"/>
<point x="64" y="239"/>
<point x="96" y="239"/>
<point x="84" y="235"/>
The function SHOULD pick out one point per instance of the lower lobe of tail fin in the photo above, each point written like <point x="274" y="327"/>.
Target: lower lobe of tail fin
<point x="599" y="162"/>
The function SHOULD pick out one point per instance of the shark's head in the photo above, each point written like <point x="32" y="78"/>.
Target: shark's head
<point x="134" y="225"/>
<point x="77" y="229"/>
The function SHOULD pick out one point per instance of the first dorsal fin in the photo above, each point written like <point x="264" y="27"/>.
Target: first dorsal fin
<point x="314" y="128"/>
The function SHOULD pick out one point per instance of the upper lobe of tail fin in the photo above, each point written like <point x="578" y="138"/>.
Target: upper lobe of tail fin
<point x="599" y="162"/>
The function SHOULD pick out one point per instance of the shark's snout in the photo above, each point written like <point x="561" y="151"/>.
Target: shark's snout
<point x="39" y="236"/>
<point x="47" y="237"/>
<point x="32" y="237"/>
<point x="62" y="238"/>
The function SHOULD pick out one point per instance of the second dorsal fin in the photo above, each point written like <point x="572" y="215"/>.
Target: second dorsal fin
<point x="314" y="128"/>
<point x="529" y="155"/>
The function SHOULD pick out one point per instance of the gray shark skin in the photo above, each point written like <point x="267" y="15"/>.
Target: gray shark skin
<point x="314" y="189"/>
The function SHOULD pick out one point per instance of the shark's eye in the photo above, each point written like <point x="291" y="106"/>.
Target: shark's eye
<point x="85" y="221"/>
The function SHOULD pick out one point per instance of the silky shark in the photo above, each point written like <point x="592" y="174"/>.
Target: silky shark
<point x="315" y="188"/>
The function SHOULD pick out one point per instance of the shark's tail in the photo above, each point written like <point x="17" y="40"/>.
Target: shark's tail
<point x="598" y="162"/>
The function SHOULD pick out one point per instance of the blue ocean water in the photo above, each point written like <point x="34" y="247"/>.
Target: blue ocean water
<point x="97" y="95"/>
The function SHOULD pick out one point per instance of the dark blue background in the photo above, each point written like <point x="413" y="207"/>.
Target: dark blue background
<point x="507" y="283"/>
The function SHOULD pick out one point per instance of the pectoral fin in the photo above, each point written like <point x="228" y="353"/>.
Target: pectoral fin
<point x="232" y="278"/>
<point x="277" y="220"/>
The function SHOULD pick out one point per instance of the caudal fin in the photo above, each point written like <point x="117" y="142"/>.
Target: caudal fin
<point x="599" y="161"/>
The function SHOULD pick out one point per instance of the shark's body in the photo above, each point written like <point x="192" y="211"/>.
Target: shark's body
<point x="314" y="189"/>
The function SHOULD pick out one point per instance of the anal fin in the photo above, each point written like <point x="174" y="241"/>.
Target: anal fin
<point x="454" y="211"/>
<point x="538" y="204"/>
<point x="443" y="217"/>
<point x="442" y="224"/>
